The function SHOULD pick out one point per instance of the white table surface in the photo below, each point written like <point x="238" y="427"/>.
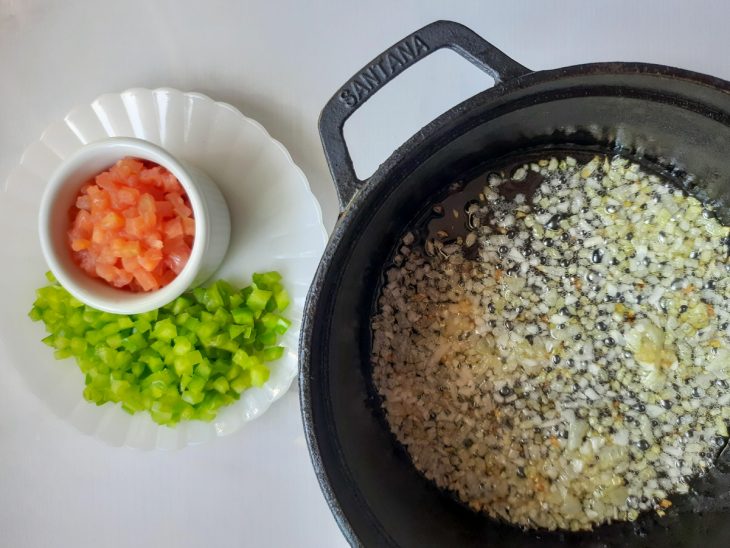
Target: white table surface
<point x="278" y="62"/>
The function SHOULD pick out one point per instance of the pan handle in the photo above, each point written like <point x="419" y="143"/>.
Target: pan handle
<point x="383" y="69"/>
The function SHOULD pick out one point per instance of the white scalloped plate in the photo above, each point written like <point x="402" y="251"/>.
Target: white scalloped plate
<point x="276" y="225"/>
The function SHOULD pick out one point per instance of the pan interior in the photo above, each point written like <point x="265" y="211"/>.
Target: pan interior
<point x="709" y="492"/>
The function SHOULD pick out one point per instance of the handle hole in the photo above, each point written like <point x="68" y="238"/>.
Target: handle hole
<point x="417" y="96"/>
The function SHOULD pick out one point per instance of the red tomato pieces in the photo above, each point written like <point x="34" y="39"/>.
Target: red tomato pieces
<point x="132" y="226"/>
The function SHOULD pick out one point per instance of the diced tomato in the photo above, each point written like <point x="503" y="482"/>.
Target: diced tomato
<point x="127" y="196"/>
<point x="178" y="204"/>
<point x="83" y="202"/>
<point x="188" y="226"/>
<point x="164" y="209"/>
<point x="135" y="227"/>
<point x="164" y="274"/>
<point x="98" y="236"/>
<point x="79" y="243"/>
<point x="107" y="181"/>
<point x="129" y="166"/>
<point x="146" y="280"/>
<point x="146" y="205"/>
<point x="177" y="254"/>
<point x="151" y="176"/>
<point x="170" y="183"/>
<point x="112" y="221"/>
<point x="122" y="278"/>
<point x="104" y="254"/>
<point x="132" y="226"/>
<point x="150" y="259"/>
<point x="154" y="240"/>
<point x="106" y="271"/>
<point x="84" y="222"/>
<point x="86" y="260"/>
<point x="125" y="248"/>
<point x="167" y="277"/>
<point x="174" y="228"/>
<point x="148" y="210"/>
<point x="130" y="264"/>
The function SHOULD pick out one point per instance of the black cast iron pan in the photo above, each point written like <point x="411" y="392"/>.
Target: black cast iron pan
<point x="676" y="121"/>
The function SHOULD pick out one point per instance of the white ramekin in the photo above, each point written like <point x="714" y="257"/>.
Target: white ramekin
<point x="212" y="225"/>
